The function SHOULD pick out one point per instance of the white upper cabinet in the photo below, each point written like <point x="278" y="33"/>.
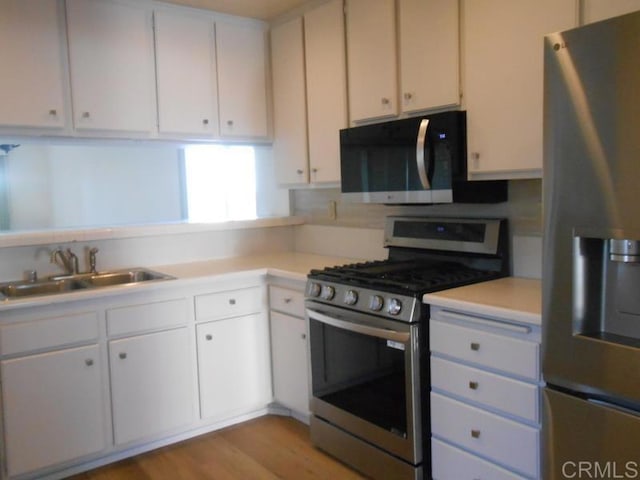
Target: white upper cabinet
<point x="111" y="65"/>
<point x="326" y="88"/>
<point x="186" y="74"/>
<point x="429" y="46"/>
<point x="595" y="10"/>
<point x="371" y="59"/>
<point x="503" y="80"/>
<point x="289" y="102"/>
<point x="242" y="90"/>
<point x="32" y="82"/>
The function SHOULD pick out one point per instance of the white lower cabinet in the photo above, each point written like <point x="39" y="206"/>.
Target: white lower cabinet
<point x="485" y="397"/>
<point x="233" y="364"/>
<point x="151" y="384"/>
<point x="52" y="406"/>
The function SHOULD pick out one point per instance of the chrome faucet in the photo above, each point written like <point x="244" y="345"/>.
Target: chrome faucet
<point x="92" y="259"/>
<point x="68" y="259"/>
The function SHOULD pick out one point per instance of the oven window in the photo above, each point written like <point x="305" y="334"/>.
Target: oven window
<point x="360" y="374"/>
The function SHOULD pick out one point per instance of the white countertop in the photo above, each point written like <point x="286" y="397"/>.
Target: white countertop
<point x="292" y="266"/>
<point x="511" y="298"/>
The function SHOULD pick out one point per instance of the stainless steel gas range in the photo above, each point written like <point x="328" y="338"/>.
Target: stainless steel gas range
<point x="369" y="340"/>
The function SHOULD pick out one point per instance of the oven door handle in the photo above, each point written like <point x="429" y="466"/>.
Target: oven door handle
<point x="384" y="333"/>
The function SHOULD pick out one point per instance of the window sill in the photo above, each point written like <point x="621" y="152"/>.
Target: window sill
<point x="29" y="238"/>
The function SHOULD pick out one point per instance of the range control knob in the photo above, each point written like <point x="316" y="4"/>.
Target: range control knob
<point x="327" y="292"/>
<point x="376" y="303"/>
<point x="351" y="297"/>
<point x="314" y="289"/>
<point x="394" y="307"/>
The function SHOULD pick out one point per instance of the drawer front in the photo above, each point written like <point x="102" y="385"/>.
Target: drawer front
<point x="507" y="354"/>
<point x="451" y="463"/>
<point x="286" y="300"/>
<point x="48" y="333"/>
<point x="146" y="316"/>
<point x="495" y="391"/>
<point x="227" y="304"/>
<point x="498" y="439"/>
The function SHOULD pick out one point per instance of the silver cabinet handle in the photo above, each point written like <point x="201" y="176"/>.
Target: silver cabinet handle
<point x="473" y="385"/>
<point x="123" y="355"/>
<point x="208" y="337"/>
<point x="88" y="362"/>
<point x="475" y="433"/>
<point x="421" y="143"/>
<point x="475" y="346"/>
<point x="232" y="301"/>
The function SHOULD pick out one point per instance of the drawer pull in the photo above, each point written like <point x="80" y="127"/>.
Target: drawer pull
<point x="473" y="385"/>
<point x="475" y="433"/>
<point x="303" y="336"/>
<point x="232" y="301"/>
<point x="288" y="300"/>
<point x="475" y="346"/>
<point x="208" y="337"/>
<point x="88" y="362"/>
<point x="123" y="355"/>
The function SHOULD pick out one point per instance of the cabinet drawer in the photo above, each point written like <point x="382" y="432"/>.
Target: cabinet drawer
<point x="229" y="304"/>
<point x="146" y="316"/>
<point x="286" y="301"/>
<point x="495" y="391"/>
<point x="495" y="351"/>
<point x="48" y="333"/>
<point x="509" y="443"/>
<point x="451" y="463"/>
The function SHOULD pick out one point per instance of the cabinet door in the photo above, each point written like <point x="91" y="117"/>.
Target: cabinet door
<point x="31" y="55"/>
<point x="371" y="59"/>
<point x="241" y="80"/>
<point x="326" y="88"/>
<point x="429" y="53"/>
<point x="290" y="362"/>
<point x="233" y="366"/>
<point x="186" y="76"/>
<point x="595" y="10"/>
<point x="289" y="102"/>
<point x="151" y="384"/>
<point x="503" y="45"/>
<point x="111" y="64"/>
<point x="53" y="408"/>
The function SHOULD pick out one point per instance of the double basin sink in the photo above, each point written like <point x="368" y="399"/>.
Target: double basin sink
<point x="79" y="281"/>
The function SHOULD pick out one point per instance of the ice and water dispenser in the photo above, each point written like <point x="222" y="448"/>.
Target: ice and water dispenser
<point x="606" y="289"/>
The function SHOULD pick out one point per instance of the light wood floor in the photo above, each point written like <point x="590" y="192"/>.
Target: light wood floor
<point x="269" y="447"/>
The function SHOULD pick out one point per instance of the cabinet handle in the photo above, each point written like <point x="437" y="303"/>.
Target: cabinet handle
<point x="475" y="433"/>
<point x="475" y="346"/>
<point x="232" y="301"/>
<point x="408" y="96"/>
<point x="53" y="112"/>
<point x="88" y="362"/>
<point x="314" y="170"/>
<point x="123" y="355"/>
<point x="208" y="337"/>
<point x="288" y="300"/>
<point x="475" y="155"/>
<point x="473" y="385"/>
<point x="230" y="123"/>
<point x="299" y="171"/>
<point x="205" y="121"/>
<point x="385" y="101"/>
<point x="86" y="114"/>
<point x="303" y="336"/>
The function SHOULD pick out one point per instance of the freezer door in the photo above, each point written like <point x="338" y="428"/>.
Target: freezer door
<point x="583" y="439"/>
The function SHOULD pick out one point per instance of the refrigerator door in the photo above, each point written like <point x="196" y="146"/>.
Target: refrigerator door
<point x="583" y="439"/>
<point x="591" y="306"/>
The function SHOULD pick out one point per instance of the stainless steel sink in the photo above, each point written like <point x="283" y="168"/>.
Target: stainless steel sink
<point x="81" y="281"/>
<point x="25" y="289"/>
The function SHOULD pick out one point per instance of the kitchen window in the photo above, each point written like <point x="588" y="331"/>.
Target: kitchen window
<point x="220" y="183"/>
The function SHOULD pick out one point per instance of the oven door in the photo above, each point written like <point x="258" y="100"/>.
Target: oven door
<point x="365" y="375"/>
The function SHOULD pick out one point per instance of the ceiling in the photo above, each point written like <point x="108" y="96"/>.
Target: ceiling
<point x="262" y="9"/>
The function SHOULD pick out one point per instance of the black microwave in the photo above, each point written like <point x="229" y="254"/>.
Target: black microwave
<point x="419" y="160"/>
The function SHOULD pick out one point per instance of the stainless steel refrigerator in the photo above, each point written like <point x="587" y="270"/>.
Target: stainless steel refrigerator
<point x="591" y="267"/>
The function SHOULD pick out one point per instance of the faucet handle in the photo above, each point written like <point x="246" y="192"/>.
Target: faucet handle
<point x="92" y="259"/>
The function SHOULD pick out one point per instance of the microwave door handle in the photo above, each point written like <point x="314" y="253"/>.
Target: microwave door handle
<point x="359" y="328"/>
<point x="420" y="148"/>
